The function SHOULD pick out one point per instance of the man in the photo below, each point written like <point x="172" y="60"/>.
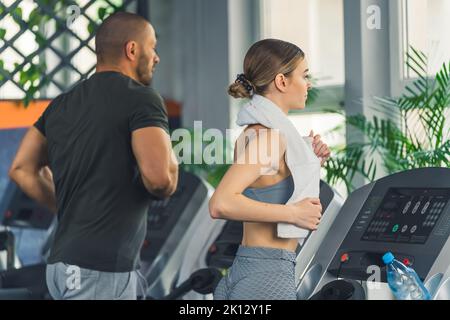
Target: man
<point x="106" y="142"/>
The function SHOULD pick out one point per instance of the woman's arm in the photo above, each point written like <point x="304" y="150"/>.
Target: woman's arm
<point x="228" y="202"/>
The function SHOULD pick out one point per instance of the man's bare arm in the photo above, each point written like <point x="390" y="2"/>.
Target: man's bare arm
<point x="30" y="169"/>
<point x="156" y="160"/>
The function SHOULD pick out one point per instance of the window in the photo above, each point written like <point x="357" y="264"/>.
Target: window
<point x="22" y="46"/>
<point x="425" y="27"/>
<point x="316" y="26"/>
<point x="47" y="46"/>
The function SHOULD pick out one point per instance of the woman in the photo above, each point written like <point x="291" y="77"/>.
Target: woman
<point x="264" y="267"/>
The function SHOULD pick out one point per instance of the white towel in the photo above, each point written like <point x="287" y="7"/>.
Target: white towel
<point x="300" y="158"/>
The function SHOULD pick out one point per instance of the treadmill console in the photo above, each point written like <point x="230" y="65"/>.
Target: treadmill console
<point x="413" y="223"/>
<point x="406" y="215"/>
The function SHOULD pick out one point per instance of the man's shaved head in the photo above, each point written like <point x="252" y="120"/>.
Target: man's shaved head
<point x="127" y="41"/>
<point x="115" y="32"/>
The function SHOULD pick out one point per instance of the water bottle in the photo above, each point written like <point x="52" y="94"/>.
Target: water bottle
<point x="404" y="281"/>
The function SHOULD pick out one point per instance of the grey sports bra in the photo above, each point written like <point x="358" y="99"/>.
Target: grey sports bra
<point x="278" y="193"/>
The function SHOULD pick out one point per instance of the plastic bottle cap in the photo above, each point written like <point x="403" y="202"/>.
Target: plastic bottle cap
<point x="388" y="257"/>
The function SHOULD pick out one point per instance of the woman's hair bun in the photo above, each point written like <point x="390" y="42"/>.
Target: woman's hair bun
<point x="241" y="88"/>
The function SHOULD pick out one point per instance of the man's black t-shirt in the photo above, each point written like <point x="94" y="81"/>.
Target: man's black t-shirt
<point x="102" y="203"/>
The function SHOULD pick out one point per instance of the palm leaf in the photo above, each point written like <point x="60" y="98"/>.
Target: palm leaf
<point x="418" y="140"/>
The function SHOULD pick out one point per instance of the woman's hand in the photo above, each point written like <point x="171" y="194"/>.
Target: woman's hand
<point x="307" y="213"/>
<point x="320" y="149"/>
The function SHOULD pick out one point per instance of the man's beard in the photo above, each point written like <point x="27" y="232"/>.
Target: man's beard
<point x="143" y="73"/>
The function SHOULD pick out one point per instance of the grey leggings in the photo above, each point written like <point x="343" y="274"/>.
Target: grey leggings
<point x="259" y="274"/>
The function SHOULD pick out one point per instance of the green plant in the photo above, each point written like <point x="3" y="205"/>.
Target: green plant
<point x="408" y="132"/>
<point x="312" y="94"/>
<point x="32" y="75"/>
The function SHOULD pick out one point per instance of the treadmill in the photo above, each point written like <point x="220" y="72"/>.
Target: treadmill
<point x="408" y="214"/>
<point x="26" y="232"/>
<point x="172" y="224"/>
<point x="177" y="230"/>
<point x="26" y="229"/>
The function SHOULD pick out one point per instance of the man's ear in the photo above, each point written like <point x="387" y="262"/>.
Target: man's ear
<point x="281" y="82"/>
<point x="131" y="50"/>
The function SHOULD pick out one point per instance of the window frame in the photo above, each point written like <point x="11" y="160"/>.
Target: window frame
<point x="397" y="47"/>
<point x="398" y="43"/>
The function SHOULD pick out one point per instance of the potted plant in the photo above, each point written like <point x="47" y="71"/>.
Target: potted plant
<point x="408" y="132"/>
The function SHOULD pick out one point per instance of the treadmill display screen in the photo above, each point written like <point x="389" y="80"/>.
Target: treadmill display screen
<point x="407" y="215"/>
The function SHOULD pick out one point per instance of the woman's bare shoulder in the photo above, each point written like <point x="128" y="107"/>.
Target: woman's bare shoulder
<point x="266" y="140"/>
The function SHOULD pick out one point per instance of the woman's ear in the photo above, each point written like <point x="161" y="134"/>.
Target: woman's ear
<point x="281" y="82"/>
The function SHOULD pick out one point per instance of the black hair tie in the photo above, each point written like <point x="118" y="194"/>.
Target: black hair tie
<point x="245" y="82"/>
